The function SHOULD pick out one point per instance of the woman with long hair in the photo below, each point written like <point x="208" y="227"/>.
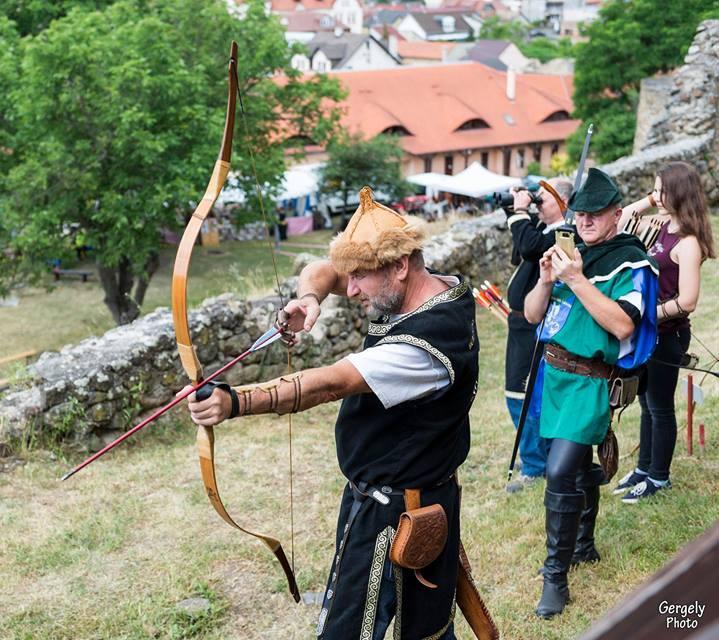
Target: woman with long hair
<point x="683" y="243"/>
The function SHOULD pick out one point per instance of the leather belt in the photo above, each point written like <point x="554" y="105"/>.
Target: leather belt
<point x="565" y="360"/>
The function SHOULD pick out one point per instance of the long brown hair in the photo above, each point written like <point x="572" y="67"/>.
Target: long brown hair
<point x="683" y="196"/>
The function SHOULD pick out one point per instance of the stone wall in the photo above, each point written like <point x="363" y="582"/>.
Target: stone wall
<point x="654" y="95"/>
<point x="685" y="126"/>
<point x="87" y="394"/>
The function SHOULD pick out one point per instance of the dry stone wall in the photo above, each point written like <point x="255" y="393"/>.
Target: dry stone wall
<point x="679" y="121"/>
<point x="89" y="393"/>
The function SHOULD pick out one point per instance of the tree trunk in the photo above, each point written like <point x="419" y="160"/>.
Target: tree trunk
<point x="151" y="266"/>
<point x="117" y="282"/>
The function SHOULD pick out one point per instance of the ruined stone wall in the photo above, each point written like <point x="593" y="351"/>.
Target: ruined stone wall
<point x="91" y="392"/>
<point x="684" y="126"/>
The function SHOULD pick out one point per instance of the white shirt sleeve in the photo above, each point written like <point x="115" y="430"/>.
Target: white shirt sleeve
<point x="398" y="372"/>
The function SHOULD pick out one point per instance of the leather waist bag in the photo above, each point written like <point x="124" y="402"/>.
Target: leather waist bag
<point x="420" y="537"/>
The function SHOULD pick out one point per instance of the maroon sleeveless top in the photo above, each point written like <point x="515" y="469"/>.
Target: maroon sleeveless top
<point x="668" y="275"/>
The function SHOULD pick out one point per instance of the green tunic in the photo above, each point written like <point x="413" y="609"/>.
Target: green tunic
<point x="576" y="407"/>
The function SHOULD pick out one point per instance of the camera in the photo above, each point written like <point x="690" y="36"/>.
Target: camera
<point x="505" y="199"/>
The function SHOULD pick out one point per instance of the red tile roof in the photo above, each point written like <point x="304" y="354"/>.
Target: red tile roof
<point x="422" y="49"/>
<point x="432" y="102"/>
<point x="293" y="5"/>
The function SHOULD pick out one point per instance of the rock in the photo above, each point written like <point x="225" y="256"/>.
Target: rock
<point x="302" y="260"/>
<point x="194" y="607"/>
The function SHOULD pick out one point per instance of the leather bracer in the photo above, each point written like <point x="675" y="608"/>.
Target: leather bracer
<point x="281" y="395"/>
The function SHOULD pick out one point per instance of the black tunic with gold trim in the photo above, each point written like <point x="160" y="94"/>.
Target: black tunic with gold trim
<point x="417" y="444"/>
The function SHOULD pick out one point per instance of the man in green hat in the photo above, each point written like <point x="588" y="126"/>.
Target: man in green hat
<point x="598" y="308"/>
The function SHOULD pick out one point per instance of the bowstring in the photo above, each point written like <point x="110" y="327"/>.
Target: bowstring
<point x="263" y="211"/>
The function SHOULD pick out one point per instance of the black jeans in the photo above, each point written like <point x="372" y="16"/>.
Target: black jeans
<point x="658" y="425"/>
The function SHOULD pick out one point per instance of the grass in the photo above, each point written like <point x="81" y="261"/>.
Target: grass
<point x="111" y="552"/>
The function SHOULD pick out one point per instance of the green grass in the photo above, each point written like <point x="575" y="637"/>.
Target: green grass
<point x="110" y="552"/>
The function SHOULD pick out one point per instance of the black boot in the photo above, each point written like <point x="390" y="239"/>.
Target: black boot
<point x="562" y="522"/>
<point x="588" y="482"/>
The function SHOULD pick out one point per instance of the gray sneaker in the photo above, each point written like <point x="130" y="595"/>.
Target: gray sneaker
<point x="521" y="482"/>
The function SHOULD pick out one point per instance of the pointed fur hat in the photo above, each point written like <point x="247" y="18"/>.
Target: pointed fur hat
<point x="375" y="236"/>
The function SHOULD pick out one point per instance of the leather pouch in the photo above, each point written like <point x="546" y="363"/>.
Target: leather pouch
<point x="608" y="454"/>
<point x="623" y="391"/>
<point x="420" y="537"/>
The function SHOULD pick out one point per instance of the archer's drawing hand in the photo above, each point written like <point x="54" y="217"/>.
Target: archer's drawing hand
<point x="302" y="313"/>
<point x="211" y="411"/>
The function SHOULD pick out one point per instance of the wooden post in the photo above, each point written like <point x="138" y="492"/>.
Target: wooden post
<point x="702" y="441"/>
<point x="690" y="412"/>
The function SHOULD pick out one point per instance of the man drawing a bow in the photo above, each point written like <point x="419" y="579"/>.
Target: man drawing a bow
<point x="401" y="432"/>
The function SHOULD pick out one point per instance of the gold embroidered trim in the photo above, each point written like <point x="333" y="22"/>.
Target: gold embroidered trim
<point x="384" y="540"/>
<point x="382" y="328"/>
<point x="398" y="582"/>
<point x="422" y="344"/>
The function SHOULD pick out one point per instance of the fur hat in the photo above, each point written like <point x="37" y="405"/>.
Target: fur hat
<point x="375" y="236"/>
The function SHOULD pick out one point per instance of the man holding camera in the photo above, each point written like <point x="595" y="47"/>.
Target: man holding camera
<point x="600" y="325"/>
<point x="531" y="237"/>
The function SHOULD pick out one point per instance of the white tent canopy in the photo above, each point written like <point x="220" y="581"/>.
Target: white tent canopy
<point x="475" y="181"/>
<point x="299" y="183"/>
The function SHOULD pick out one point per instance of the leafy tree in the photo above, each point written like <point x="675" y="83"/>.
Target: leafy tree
<point x="545" y="49"/>
<point x="354" y="162"/>
<point x="629" y="41"/>
<point x="34" y="16"/>
<point x="117" y="117"/>
<point x="494" y="28"/>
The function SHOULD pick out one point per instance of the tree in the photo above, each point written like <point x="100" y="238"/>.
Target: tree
<point x="354" y="162"/>
<point x="545" y="49"/>
<point x="629" y="41"/>
<point x="494" y="28"/>
<point x="117" y="117"/>
<point x="34" y="16"/>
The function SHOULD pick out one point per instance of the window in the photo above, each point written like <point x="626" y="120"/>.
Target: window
<point x="506" y="160"/>
<point x="520" y="158"/>
<point x="555" y="149"/>
<point x="557" y="116"/>
<point x="299" y="141"/>
<point x="428" y="164"/>
<point x="300" y="62"/>
<point x="474" y="123"/>
<point x="537" y="153"/>
<point x="449" y="165"/>
<point x="447" y="24"/>
<point x="396" y="130"/>
<point x="485" y="159"/>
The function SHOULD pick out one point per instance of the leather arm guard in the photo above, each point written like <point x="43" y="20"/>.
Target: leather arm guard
<point x="281" y="395"/>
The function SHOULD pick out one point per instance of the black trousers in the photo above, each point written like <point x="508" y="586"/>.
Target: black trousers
<point x="567" y="460"/>
<point x="658" y="424"/>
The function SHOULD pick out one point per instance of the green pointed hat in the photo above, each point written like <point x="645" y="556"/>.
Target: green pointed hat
<point x="597" y="193"/>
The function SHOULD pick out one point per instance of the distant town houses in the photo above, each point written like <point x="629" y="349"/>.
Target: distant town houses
<point x="563" y="17"/>
<point x="342" y="51"/>
<point x="420" y="22"/>
<point x="344" y="13"/>
<point x="439" y="25"/>
<point x="449" y="116"/>
<point x="420" y="71"/>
